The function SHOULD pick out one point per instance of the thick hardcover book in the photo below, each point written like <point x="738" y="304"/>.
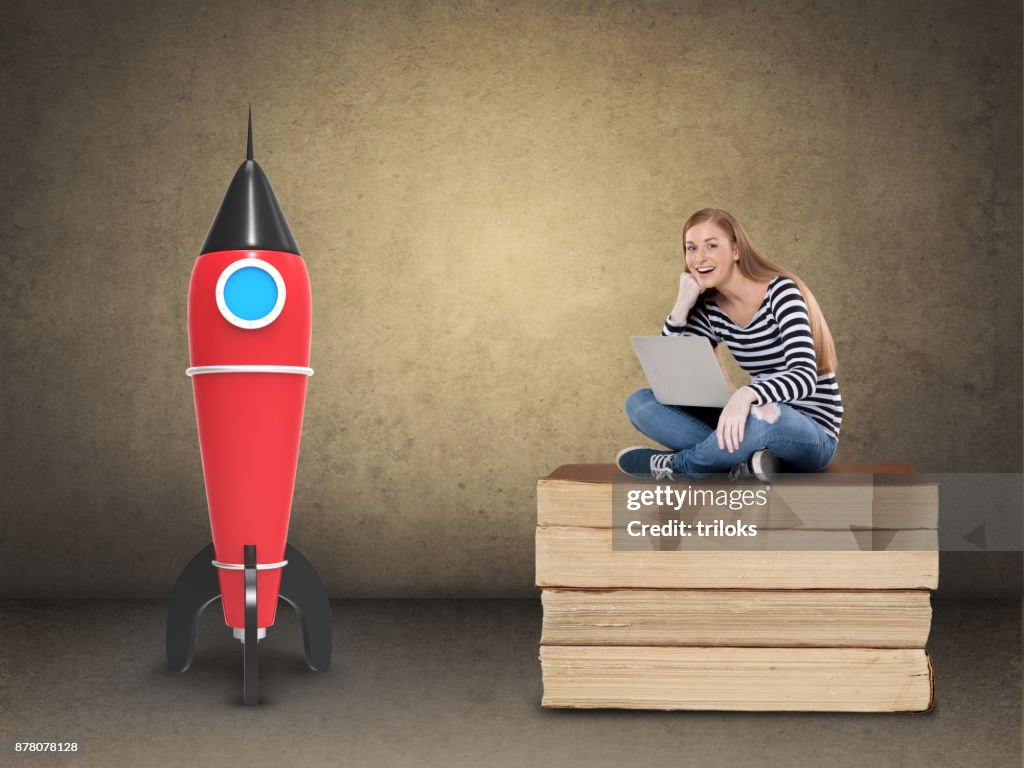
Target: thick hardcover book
<point x="751" y="679"/>
<point x="737" y="617"/>
<point x="584" y="558"/>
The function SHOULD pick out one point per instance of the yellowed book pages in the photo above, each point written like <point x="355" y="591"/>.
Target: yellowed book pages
<point x="669" y="617"/>
<point x="748" y="679"/>
<point x="905" y="505"/>
<point x="583" y="558"/>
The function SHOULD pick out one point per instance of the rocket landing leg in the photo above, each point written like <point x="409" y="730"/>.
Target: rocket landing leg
<point x="251" y="659"/>
<point x="198" y="586"/>
<point x="302" y="589"/>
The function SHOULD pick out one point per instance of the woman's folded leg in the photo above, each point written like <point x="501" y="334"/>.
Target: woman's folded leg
<point x="794" y="437"/>
<point x="675" y="427"/>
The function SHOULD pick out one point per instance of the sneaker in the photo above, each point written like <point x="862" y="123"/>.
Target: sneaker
<point x="639" y="461"/>
<point x="763" y="465"/>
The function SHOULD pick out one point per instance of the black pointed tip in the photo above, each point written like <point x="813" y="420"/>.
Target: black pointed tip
<point x="248" y="147"/>
<point x="249" y="216"/>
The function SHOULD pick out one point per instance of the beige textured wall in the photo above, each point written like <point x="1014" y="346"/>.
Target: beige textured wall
<point x="488" y="196"/>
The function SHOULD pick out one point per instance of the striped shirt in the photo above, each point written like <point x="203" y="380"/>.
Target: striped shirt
<point x="776" y="348"/>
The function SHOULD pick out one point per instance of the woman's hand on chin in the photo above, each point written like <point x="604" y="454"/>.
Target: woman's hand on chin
<point x="733" y="419"/>
<point x="689" y="292"/>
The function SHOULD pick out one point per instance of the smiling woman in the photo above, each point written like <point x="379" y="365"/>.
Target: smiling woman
<point x="791" y="410"/>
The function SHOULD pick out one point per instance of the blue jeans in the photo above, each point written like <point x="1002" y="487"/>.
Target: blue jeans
<point x="796" y="438"/>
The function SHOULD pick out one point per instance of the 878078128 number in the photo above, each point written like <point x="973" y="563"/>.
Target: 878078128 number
<point x="46" y="746"/>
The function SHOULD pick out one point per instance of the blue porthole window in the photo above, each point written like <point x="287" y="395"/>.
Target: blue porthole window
<point x="250" y="293"/>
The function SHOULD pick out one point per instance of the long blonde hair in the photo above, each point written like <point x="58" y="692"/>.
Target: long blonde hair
<point x="756" y="266"/>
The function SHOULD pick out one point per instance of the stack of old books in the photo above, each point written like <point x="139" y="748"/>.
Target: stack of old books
<point x="826" y="608"/>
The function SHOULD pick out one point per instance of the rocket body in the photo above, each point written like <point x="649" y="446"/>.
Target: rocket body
<point x="249" y="324"/>
<point x="249" y="415"/>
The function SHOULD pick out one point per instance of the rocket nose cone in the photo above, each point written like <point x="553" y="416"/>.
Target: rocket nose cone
<point x="249" y="216"/>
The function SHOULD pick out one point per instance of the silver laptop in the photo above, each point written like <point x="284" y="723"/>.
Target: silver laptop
<point x="682" y="370"/>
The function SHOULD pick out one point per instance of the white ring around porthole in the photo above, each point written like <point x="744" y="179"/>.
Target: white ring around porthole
<point x="231" y="317"/>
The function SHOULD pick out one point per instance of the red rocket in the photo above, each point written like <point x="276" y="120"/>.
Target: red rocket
<point x="249" y="326"/>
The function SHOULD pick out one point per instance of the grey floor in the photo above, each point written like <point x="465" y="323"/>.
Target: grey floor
<point x="448" y="683"/>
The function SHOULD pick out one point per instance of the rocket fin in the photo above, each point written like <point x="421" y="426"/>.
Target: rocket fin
<point x="251" y="672"/>
<point x="303" y="590"/>
<point x="196" y="588"/>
